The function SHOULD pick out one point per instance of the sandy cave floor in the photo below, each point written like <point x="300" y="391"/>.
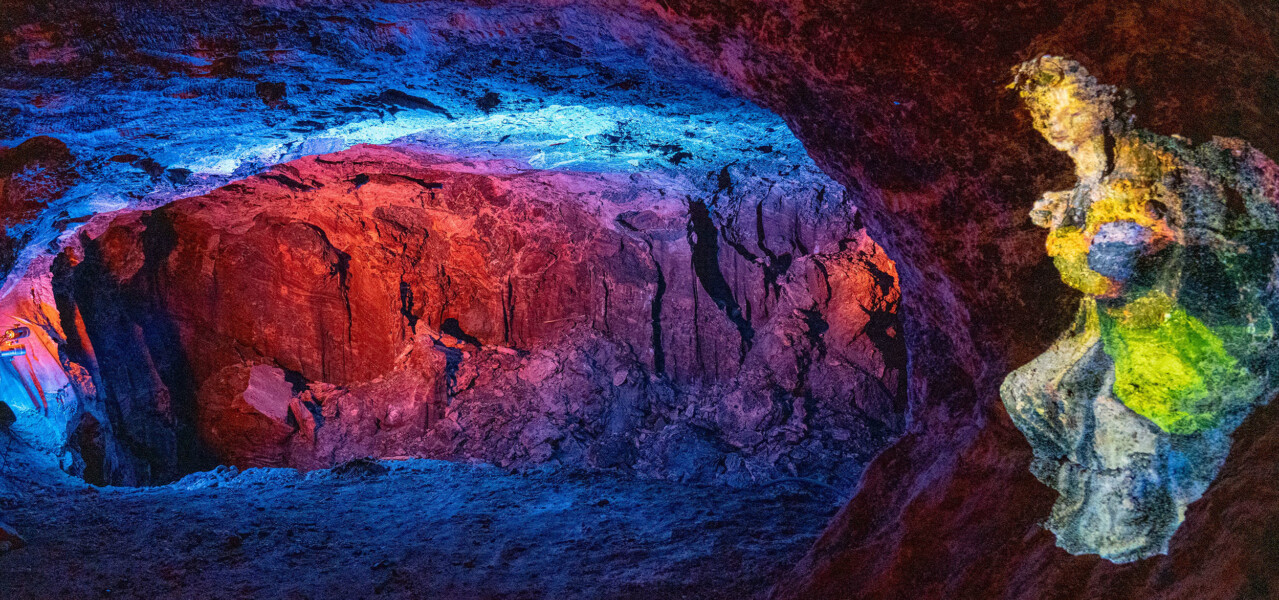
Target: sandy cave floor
<point x="421" y="529"/>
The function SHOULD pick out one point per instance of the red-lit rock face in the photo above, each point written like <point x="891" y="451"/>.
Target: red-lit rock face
<point x="382" y="302"/>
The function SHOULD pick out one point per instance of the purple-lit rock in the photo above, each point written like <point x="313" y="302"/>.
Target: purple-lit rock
<point x="474" y="310"/>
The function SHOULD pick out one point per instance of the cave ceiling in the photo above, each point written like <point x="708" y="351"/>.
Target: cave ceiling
<point x="157" y="101"/>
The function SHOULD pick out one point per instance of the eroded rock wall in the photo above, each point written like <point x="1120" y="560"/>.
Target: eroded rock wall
<point x="386" y="302"/>
<point x="904" y="103"/>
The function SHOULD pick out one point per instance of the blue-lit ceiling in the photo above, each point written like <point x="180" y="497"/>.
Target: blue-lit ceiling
<point x="158" y="110"/>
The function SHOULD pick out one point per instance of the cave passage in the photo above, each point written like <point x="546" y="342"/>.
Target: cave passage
<point x="622" y="298"/>
<point x="446" y="300"/>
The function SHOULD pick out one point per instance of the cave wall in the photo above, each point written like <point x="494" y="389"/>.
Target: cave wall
<point x="40" y="391"/>
<point x="745" y="312"/>
<point x="32" y="174"/>
<point x="904" y="103"/>
<point x="388" y="302"/>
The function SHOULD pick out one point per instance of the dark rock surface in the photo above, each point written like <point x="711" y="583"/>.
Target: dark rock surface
<point x="414" y="529"/>
<point x="9" y="539"/>
<point x="7" y="418"/>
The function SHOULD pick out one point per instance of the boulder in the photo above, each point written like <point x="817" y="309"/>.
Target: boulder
<point x="304" y="417"/>
<point x="268" y="392"/>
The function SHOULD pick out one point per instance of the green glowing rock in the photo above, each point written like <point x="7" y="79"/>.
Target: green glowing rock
<point x="1175" y="249"/>
<point x="1176" y="372"/>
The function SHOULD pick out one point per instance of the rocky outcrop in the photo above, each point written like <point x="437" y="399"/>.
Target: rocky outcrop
<point x="387" y="302"/>
<point x="39" y="393"/>
<point x="7" y="418"/>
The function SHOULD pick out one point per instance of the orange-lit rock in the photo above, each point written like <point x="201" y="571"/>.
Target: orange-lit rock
<point x="386" y="302"/>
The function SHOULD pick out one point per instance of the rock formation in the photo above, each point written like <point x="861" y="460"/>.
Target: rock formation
<point x="1131" y="413"/>
<point x="904" y="103"/>
<point x="387" y="302"/>
<point x="32" y="174"/>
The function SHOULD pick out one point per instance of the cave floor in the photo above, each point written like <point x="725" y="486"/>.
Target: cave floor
<point x="421" y="529"/>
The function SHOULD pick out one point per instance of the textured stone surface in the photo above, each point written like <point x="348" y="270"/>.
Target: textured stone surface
<point x="399" y="303"/>
<point x="32" y="174"/>
<point x="410" y="529"/>
<point x="904" y="103"/>
<point x="270" y="82"/>
<point x="161" y="100"/>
